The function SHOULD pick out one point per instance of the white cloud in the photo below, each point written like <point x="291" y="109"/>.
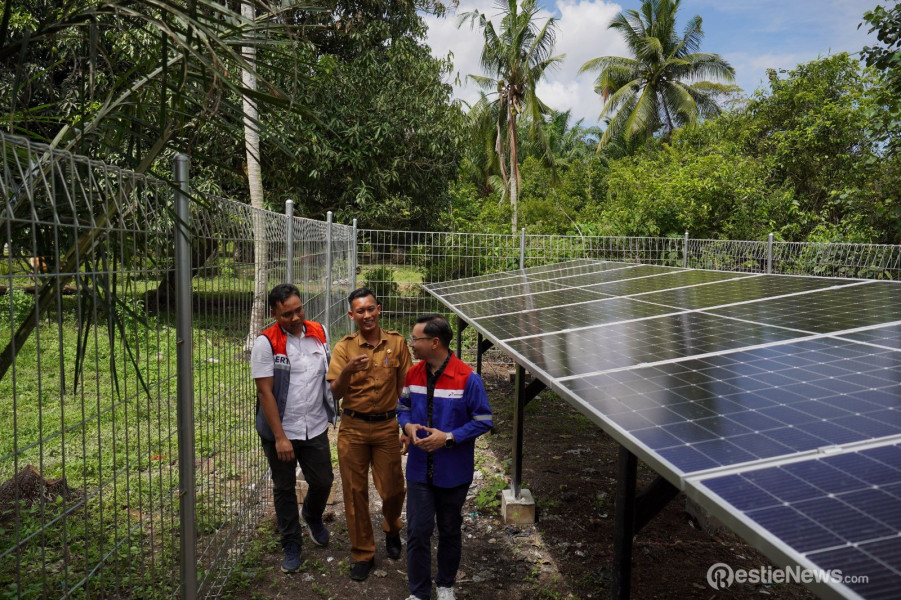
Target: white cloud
<point x="582" y="34"/>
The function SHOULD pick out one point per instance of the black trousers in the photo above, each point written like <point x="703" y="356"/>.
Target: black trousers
<point x="315" y="461"/>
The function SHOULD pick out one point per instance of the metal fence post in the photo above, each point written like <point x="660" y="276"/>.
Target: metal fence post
<point x="353" y="258"/>
<point x="289" y="250"/>
<point x="685" y="252"/>
<point x="185" y="382"/>
<point x="522" y="248"/>
<point x="328" y="270"/>
<point x="769" y="254"/>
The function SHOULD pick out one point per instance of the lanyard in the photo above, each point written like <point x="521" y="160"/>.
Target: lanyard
<point x="431" y="380"/>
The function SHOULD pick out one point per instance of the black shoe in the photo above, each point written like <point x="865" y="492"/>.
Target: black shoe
<point x="291" y="563"/>
<point x="318" y="532"/>
<point x="393" y="547"/>
<point x="360" y="570"/>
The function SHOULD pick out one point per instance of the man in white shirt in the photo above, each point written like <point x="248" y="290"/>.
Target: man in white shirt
<point x="288" y="363"/>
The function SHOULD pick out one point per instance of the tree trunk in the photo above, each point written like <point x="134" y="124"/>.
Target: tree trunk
<point x="514" y="167"/>
<point x="255" y="185"/>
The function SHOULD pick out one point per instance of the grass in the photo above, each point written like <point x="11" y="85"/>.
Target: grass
<point x="107" y="425"/>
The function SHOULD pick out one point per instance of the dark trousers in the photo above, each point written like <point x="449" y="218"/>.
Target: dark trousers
<point x="427" y="505"/>
<point x="315" y="461"/>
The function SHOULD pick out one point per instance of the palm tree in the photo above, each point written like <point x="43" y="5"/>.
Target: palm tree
<point x="666" y="84"/>
<point x="516" y="57"/>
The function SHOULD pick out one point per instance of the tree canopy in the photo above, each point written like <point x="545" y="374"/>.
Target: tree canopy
<point x="666" y="83"/>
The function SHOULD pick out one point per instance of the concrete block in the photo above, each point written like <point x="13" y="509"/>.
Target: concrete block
<point x="707" y="522"/>
<point x="518" y="511"/>
<point x="302" y="491"/>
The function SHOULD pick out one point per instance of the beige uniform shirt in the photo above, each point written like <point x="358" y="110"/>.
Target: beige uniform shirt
<point x="377" y="389"/>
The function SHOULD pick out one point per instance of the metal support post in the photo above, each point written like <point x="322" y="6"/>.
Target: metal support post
<point x="461" y="325"/>
<point x="289" y="249"/>
<point x="685" y="252"/>
<point x="185" y="383"/>
<point x="519" y="406"/>
<point x="624" y="527"/>
<point x="769" y="254"/>
<point x="522" y="248"/>
<point x="328" y="270"/>
<point x="352" y="276"/>
<point x="633" y="512"/>
<point x="482" y="346"/>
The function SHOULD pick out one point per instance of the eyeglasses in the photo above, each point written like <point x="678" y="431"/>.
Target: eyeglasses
<point x="413" y="340"/>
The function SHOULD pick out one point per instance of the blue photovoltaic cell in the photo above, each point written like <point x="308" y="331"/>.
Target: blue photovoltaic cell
<point x="602" y="277"/>
<point x="622" y="345"/>
<point x="841" y="512"/>
<point x="755" y="404"/>
<point x="826" y="311"/>
<point x="890" y="336"/>
<point x="739" y="290"/>
<point x="558" y="318"/>
<point x="492" y="293"/>
<point x="664" y="281"/>
<point x="704" y="371"/>
<point x="508" y="277"/>
<point x="503" y="306"/>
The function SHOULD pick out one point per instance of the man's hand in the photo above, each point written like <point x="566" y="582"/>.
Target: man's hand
<point x="431" y="442"/>
<point x="404" y="444"/>
<point x="285" y="449"/>
<point x="357" y="364"/>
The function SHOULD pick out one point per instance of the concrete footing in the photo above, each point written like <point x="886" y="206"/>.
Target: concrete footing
<point x="302" y="491"/>
<point x="518" y="511"/>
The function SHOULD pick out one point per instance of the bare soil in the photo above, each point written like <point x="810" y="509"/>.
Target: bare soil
<point x="570" y="468"/>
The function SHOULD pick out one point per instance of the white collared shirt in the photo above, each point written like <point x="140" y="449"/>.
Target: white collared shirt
<point x="305" y="415"/>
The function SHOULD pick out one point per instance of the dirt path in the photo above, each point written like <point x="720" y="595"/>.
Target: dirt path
<point x="569" y="466"/>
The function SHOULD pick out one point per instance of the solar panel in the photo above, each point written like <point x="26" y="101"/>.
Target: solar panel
<point x="755" y="393"/>
<point x="839" y="511"/>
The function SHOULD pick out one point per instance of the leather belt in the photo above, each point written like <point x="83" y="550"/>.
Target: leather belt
<point x="369" y="417"/>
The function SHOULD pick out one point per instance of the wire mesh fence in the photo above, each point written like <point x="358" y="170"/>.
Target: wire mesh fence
<point x="396" y="264"/>
<point x="90" y="463"/>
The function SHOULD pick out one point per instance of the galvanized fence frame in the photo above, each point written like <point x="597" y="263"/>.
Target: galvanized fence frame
<point x="395" y="264"/>
<point x="131" y="466"/>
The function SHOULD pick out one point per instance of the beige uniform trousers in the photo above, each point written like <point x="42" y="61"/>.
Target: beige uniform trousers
<point x="361" y="444"/>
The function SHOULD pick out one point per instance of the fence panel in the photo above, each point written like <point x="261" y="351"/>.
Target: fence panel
<point x="87" y="379"/>
<point x="89" y="469"/>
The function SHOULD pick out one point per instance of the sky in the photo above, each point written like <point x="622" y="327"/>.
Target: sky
<point x="751" y="35"/>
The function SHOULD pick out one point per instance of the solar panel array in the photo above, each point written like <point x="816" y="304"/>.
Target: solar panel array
<point x="773" y="400"/>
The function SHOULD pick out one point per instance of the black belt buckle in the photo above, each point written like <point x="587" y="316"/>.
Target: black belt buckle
<point x="370" y="418"/>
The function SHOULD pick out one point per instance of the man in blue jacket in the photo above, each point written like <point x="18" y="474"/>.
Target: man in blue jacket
<point x="442" y="410"/>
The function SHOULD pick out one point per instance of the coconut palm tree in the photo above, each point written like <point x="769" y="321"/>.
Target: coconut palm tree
<point x="516" y="56"/>
<point x="666" y="84"/>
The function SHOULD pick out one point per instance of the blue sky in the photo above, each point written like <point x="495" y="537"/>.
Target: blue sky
<point x="752" y="35"/>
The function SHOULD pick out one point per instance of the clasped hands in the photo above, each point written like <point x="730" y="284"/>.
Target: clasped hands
<point x="434" y="439"/>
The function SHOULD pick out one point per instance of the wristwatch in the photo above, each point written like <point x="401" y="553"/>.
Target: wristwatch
<point x="450" y="441"/>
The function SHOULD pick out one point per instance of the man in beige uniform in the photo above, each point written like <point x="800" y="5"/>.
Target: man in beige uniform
<point x="367" y="370"/>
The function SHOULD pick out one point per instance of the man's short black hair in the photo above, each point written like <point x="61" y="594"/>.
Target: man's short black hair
<point x="437" y="326"/>
<point x="281" y="293"/>
<point x="361" y="293"/>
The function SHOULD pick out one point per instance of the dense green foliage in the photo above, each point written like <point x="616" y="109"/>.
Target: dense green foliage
<point x="357" y="118"/>
<point x="805" y="160"/>
<point x="385" y="143"/>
